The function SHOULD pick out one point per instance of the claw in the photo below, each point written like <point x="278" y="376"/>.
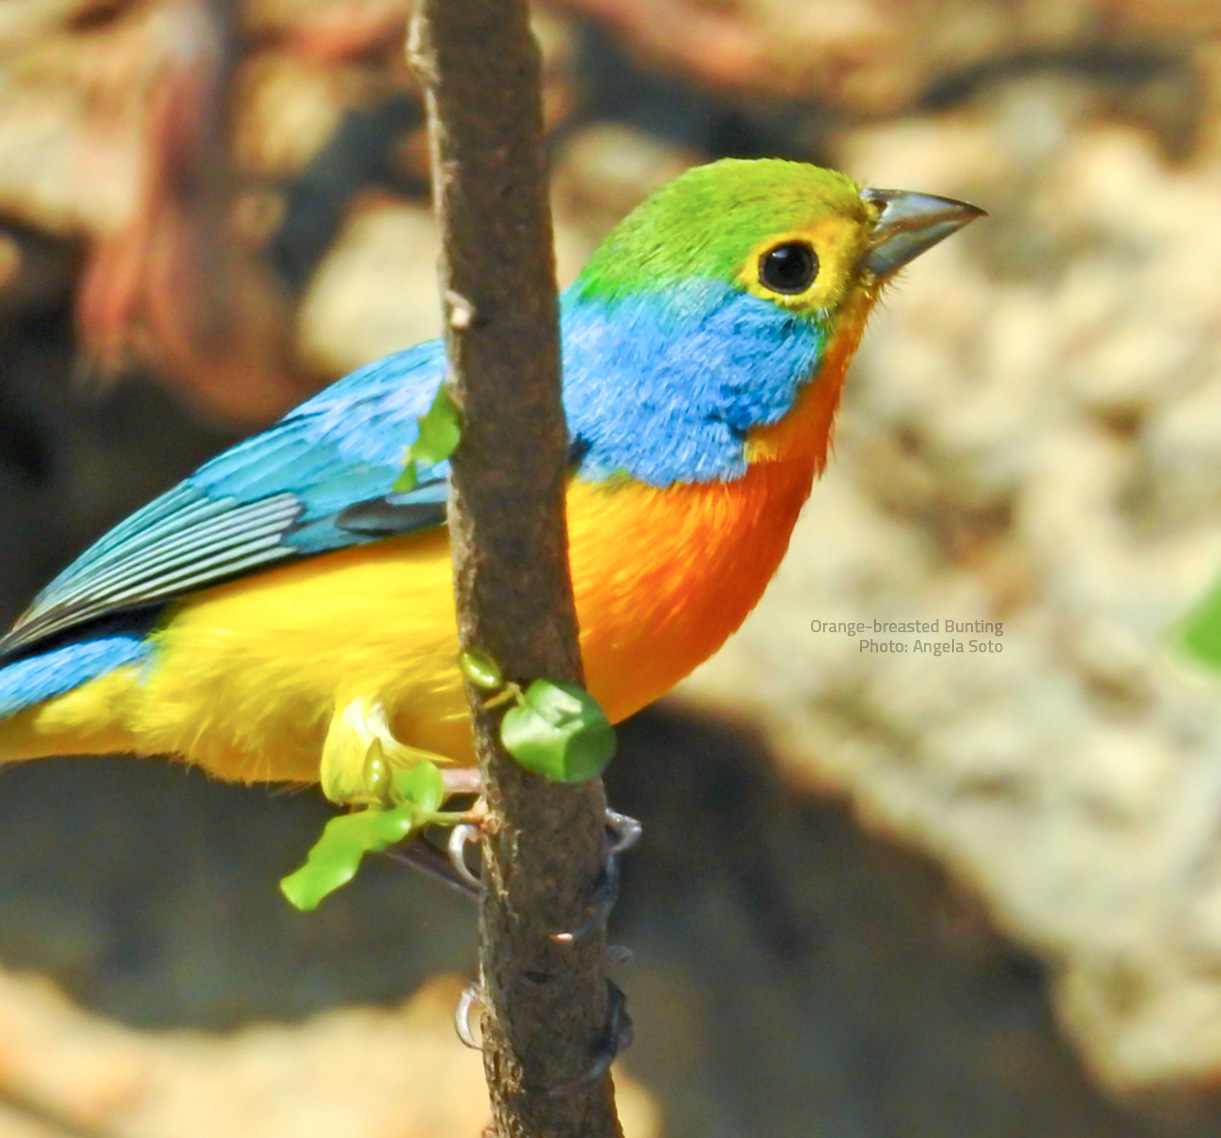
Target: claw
<point x="616" y="1038"/>
<point x="471" y="998"/>
<point x="461" y="836"/>
<point x="617" y="955"/>
<point x="625" y="832"/>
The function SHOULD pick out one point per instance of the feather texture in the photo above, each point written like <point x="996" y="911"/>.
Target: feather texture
<point x="706" y="362"/>
<point x="277" y="497"/>
<point x="29" y="682"/>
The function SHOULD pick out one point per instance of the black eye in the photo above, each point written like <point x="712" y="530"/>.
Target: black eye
<point x="790" y="267"/>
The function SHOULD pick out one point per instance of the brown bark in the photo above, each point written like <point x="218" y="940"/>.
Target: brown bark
<point x="544" y="849"/>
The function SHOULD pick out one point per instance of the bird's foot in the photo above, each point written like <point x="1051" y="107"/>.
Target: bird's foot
<point x="622" y="833"/>
<point x="449" y="864"/>
<point x="615" y="1038"/>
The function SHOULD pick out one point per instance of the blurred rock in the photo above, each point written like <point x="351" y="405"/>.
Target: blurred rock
<point x="601" y="173"/>
<point x="31" y="19"/>
<point x="870" y="57"/>
<point x="792" y="974"/>
<point x="375" y="291"/>
<point x="357" y="1072"/>
<point x="201" y="151"/>
<point x="70" y="157"/>
<point x="290" y="107"/>
<point x="175" y="288"/>
<point x="328" y="29"/>
<point x="1031" y="440"/>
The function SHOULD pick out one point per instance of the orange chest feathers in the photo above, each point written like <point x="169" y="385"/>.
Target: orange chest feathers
<point x="663" y="576"/>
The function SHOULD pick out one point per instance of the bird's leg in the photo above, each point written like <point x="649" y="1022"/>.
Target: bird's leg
<point x="421" y="854"/>
<point x="462" y="780"/>
<point x="449" y="864"/>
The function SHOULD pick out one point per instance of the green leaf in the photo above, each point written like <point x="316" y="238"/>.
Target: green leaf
<point x="1200" y="633"/>
<point x="418" y="791"/>
<point x="480" y="669"/>
<point x="440" y="431"/>
<point x="420" y="786"/>
<point x="337" y="855"/>
<point x="559" y="731"/>
<point x="407" y="481"/>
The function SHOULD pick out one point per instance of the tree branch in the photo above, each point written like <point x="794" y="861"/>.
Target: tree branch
<point x="544" y="849"/>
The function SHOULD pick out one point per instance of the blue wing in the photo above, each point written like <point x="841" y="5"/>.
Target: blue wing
<point x="318" y="480"/>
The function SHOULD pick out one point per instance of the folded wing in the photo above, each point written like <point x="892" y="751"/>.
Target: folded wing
<point x="318" y="480"/>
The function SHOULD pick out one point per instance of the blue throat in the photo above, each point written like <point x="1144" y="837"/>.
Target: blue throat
<point x="664" y="387"/>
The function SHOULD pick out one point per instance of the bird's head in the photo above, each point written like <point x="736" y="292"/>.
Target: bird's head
<point x="804" y="238"/>
<point x="707" y="313"/>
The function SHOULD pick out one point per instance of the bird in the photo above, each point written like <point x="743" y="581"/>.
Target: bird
<point x="285" y="604"/>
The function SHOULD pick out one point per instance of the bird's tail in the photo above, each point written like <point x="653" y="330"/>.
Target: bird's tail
<point x="27" y="685"/>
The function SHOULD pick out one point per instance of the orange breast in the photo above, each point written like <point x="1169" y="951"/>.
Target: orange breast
<point x="663" y="576"/>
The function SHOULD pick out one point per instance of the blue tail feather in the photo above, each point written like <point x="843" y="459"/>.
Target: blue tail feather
<point x="31" y="680"/>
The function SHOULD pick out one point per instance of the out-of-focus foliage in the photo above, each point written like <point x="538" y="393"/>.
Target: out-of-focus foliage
<point x="1201" y="631"/>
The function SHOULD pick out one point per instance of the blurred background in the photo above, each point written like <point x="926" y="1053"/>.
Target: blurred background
<point x="975" y="895"/>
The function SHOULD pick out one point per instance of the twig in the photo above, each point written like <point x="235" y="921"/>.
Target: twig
<point x="547" y="1000"/>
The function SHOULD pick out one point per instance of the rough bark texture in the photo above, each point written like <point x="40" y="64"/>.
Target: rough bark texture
<point x="546" y="1002"/>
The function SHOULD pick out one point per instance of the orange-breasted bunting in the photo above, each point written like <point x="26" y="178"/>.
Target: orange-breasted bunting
<point x="284" y="606"/>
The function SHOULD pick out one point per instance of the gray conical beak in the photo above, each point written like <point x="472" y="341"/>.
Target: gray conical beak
<point x="908" y="224"/>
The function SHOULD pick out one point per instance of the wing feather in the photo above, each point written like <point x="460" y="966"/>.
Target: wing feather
<point x="321" y="479"/>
